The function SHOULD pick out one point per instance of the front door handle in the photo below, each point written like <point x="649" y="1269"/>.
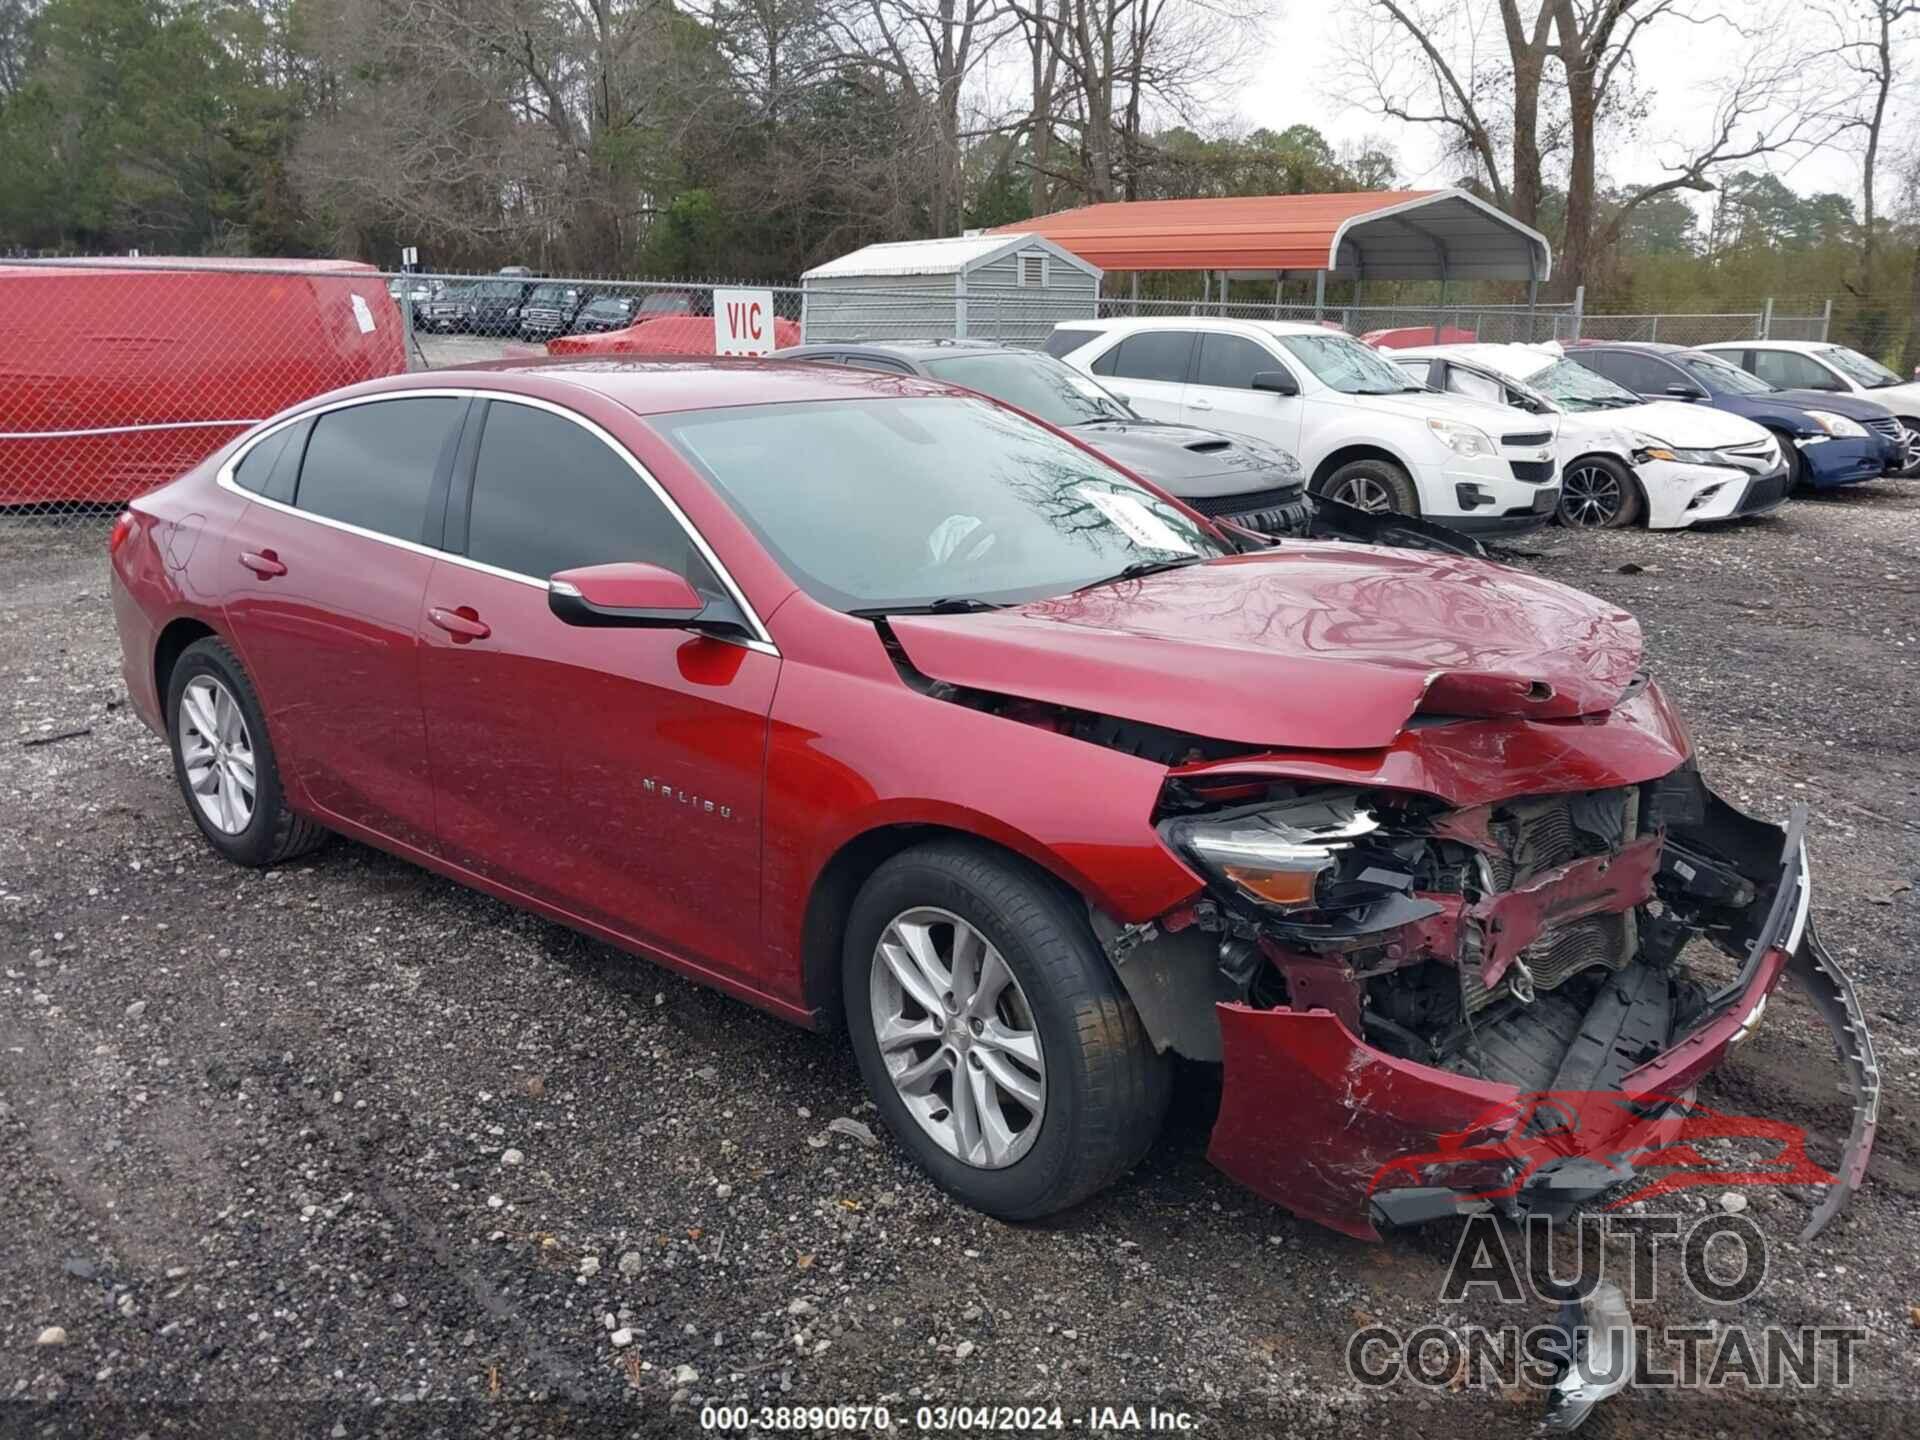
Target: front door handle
<point x="463" y="624"/>
<point x="1201" y="404"/>
<point x="263" y="563"/>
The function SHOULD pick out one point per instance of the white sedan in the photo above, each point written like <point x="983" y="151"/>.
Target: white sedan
<point x="1622" y="458"/>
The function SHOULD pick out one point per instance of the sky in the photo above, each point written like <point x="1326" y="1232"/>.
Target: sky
<point x="1305" y="37"/>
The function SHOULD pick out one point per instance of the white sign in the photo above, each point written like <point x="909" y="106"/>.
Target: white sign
<point x="410" y="256"/>
<point x="743" y="322"/>
<point x="362" y="315"/>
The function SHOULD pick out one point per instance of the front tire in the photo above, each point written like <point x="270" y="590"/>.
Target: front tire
<point x="1379" y="486"/>
<point x="1597" y="492"/>
<point x="993" y="1034"/>
<point x="224" y="764"/>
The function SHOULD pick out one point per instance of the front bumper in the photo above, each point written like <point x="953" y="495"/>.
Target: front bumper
<point x="1679" y="494"/>
<point x="1372" y="1139"/>
<point x="1484" y="496"/>
<point x="1827" y="463"/>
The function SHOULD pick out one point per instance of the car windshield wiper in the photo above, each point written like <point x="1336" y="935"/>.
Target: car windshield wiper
<point x="1143" y="567"/>
<point x="945" y="605"/>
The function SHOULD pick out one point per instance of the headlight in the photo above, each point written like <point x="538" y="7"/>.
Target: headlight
<point x="1838" y="425"/>
<point x="1276" y="855"/>
<point x="1646" y="448"/>
<point x="1462" y="439"/>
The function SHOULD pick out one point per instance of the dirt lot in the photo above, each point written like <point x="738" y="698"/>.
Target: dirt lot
<point x="344" y="1135"/>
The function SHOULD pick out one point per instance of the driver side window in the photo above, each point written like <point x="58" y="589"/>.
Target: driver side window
<point x="549" y="495"/>
<point x="1790" y="371"/>
<point x="1228" y="362"/>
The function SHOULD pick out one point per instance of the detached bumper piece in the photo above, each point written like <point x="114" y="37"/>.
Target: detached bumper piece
<point x="1530" y="1045"/>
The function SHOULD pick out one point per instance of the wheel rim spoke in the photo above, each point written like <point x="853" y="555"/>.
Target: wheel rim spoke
<point x="957" y="1037"/>
<point x="216" y="755"/>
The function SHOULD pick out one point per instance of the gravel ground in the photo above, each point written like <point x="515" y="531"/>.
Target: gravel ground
<point x="343" y="1135"/>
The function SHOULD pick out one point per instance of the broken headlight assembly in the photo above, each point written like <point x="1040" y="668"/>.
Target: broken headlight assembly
<point x="1647" y="448"/>
<point x="1310" y="853"/>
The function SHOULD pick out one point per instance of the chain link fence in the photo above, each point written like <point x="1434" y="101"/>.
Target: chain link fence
<point x="117" y="375"/>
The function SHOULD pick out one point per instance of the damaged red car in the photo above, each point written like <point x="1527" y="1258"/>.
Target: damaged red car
<point x="882" y="705"/>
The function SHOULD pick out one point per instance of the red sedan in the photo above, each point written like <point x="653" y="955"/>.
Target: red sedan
<point x="878" y="703"/>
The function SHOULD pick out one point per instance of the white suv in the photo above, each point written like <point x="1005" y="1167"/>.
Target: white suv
<point x="1365" y="432"/>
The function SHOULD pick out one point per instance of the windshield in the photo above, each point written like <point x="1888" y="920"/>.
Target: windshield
<point x="896" y="504"/>
<point x="499" y="290"/>
<point x="1720" y="378"/>
<point x="1574" y="387"/>
<point x="1348" y="365"/>
<point x="610" y="307"/>
<point x="1858" y="368"/>
<point x="1038" y="384"/>
<point x="548" y="295"/>
<point x="667" y="305"/>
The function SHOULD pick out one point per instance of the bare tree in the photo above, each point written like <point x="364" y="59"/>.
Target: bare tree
<point x="1866" y="34"/>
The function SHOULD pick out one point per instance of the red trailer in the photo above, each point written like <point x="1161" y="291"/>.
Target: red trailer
<point x="116" y="376"/>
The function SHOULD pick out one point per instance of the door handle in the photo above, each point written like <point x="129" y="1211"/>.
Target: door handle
<point x="463" y="624"/>
<point x="263" y="563"/>
<point x="1201" y="404"/>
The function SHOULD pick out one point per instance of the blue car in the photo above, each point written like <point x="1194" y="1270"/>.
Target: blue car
<point x="1828" y="439"/>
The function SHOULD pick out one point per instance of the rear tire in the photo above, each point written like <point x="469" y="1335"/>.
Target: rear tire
<point x="1102" y="1089"/>
<point x="1380" y="486"/>
<point x="210" y="698"/>
<point x="1597" y="492"/>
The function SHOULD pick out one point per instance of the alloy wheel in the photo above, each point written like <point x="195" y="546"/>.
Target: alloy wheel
<point x="958" y="1037"/>
<point x="1590" y="497"/>
<point x="216" y="750"/>
<point x="1363" y="492"/>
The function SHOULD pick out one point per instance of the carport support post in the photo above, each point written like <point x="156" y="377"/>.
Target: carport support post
<point x="1766" y="319"/>
<point x="1319" y="295"/>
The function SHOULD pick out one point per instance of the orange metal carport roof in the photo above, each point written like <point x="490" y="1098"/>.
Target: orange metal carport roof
<point x="1379" y="234"/>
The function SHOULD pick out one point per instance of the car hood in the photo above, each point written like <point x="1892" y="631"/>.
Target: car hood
<point x="1191" y="461"/>
<point x="1690" y="427"/>
<point x="1854" y="407"/>
<point x="1313" y="646"/>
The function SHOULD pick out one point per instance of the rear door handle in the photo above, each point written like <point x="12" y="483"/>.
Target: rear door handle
<point x="263" y="563"/>
<point x="463" y="624"/>
<point x="1201" y="404"/>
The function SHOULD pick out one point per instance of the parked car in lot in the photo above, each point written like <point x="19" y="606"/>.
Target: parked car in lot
<point x="1828" y="439"/>
<point x="450" y="311"/>
<point x="605" y="312"/>
<point x="494" y="306"/>
<point x="1225" y="477"/>
<point x="924" y="720"/>
<point x="1622" y="458"/>
<point x="1830" y="370"/>
<point x="1367" y="435"/>
<point x="550" y="309"/>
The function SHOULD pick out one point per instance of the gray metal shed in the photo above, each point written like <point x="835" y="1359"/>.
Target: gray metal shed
<point x="1011" y="288"/>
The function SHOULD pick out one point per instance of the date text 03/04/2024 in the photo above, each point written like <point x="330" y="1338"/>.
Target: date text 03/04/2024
<point x="1011" y="1419"/>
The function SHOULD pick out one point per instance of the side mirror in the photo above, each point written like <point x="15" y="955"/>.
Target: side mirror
<point x="1279" y="382"/>
<point x="625" y="594"/>
<point x="1680" y="391"/>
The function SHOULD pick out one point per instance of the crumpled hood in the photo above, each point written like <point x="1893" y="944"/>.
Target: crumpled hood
<point x="1689" y="427"/>
<point x="1305" y="646"/>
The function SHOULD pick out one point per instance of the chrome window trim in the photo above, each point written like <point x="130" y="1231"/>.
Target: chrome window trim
<point x="762" y="640"/>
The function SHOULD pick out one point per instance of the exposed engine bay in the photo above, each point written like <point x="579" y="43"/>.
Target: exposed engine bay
<point x="1537" y="944"/>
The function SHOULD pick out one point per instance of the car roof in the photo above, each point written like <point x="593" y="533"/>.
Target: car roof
<point x="929" y="349"/>
<point x="1650" y="347"/>
<point x="1808" y="347"/>
<point x="1225" y="323"/>
<point x="1484" y="355"/>
<point x="659" y="384"/>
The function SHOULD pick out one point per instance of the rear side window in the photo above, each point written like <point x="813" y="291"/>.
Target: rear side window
<point x="1153" y="355"/>
<point x="372" y="465"/>
<point x="1641" y="374"/>
<point x="549" y="495"/>
<point x="1791" y="371"/>
<point x="1227" y="362"/>
<point x="257" y="464"/>
<point x="1062" y="342"/>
